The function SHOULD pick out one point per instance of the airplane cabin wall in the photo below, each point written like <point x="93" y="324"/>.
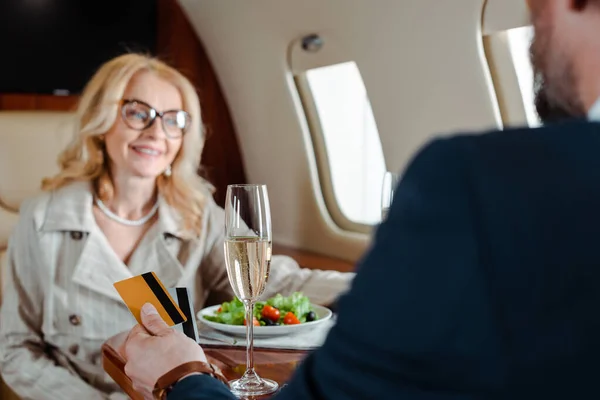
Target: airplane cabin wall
<point x="422" y="61"/>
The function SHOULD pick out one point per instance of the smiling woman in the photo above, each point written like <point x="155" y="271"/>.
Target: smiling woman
<point x="104" y="134"/>
<point x="127" y="201"/>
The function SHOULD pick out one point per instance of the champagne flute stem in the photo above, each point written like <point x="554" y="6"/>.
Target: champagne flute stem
<point x="249" y="336"/>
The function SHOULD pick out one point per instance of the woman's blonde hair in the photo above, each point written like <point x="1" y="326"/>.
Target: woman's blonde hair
<point x="85" y="159"/>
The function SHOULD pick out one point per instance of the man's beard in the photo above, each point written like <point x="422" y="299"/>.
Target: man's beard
<point x="554" y="80"/>
<point x="547" y="110"/>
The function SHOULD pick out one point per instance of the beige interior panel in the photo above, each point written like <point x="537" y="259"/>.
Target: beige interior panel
<point x="422" y="62"/>
<point x="502" y="15"/>
<point x="8" y="220"/>
<point x="2" y="272"/>
<point x="506" y="82"/>
<point x="29" y="145"/>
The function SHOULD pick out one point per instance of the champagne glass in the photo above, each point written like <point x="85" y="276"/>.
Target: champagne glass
<point x="387" y="193"/>
<point x="248" y="260"/>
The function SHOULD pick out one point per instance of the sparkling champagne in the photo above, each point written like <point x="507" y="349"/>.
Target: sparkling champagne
<point x="248" y="264"/>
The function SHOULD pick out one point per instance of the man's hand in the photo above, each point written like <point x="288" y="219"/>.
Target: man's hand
<point x="154" y="349"/>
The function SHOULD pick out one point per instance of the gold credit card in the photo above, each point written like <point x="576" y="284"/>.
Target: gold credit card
<point x="147" y="288"/>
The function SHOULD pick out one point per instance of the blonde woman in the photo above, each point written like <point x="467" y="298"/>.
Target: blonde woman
<point x="126" y="201"/>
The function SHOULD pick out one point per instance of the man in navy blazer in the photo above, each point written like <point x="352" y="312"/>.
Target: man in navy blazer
<point x="484" y="281"/>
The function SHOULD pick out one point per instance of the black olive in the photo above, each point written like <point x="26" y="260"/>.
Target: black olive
<point x="268" y="322"/>
<point x="310" y="316"/>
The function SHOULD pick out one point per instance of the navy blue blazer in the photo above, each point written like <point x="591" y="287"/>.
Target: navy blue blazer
<point x="484" y="282"/>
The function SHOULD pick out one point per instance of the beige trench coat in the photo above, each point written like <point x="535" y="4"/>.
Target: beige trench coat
<point x="60" y="304"/>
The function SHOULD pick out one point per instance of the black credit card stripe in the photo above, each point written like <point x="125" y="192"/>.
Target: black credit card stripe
<point x="163" y="298"/>
<point x="184" y="304"/>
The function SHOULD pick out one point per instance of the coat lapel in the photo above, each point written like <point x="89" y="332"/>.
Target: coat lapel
<point x="158" y="251"/>
<point x="97" y="267"/>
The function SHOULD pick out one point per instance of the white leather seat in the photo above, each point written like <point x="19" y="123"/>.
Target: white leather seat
<point x="29" y="146"/>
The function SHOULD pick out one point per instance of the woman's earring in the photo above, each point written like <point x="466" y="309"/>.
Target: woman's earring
<point x="168" y="171"/>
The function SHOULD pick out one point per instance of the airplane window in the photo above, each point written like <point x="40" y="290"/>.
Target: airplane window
<point x="519" y="40"/>
<point x="351" y="139"/>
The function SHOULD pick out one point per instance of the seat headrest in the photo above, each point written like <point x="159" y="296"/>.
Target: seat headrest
<point x="30" y="143"/>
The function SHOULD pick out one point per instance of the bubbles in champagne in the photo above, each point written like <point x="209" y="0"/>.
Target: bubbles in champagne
<point x="248" y="262"/>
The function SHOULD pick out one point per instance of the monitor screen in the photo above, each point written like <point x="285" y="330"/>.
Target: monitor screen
<point x="55" y="46"/>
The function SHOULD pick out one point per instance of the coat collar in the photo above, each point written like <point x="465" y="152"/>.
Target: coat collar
<point x="70" y="209"/>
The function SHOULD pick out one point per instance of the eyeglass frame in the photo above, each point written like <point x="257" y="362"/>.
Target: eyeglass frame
<point x="153" y="115"/>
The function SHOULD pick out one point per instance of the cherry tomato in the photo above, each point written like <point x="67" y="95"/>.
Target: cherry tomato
<point x="220" y="309"/>
<point x="270" y="313"/>
<point x="290" y="319"/>
<point x="254" y="322"/>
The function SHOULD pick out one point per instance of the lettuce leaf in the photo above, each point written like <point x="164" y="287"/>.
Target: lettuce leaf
<point x="233" y="313"/>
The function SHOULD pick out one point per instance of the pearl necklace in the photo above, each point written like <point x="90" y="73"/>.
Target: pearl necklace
<point x="124" y="221"/>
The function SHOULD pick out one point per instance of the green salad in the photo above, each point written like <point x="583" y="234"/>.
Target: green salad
<point x="278" y="310"/>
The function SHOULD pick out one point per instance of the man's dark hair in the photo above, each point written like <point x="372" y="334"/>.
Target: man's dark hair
<point x="582" y="4"/>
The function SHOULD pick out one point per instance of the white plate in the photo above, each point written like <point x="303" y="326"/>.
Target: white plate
<point x="323" y="313"/>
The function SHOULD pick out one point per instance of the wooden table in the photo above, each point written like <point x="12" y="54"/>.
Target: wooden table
<point x="274" y="364"/>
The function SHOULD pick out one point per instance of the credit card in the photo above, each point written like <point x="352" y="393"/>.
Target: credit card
<point x="184" y="300"/>
<point x="147" y="288"/>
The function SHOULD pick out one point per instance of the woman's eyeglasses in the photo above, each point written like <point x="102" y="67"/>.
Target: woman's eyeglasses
<point x="139" y="116"/>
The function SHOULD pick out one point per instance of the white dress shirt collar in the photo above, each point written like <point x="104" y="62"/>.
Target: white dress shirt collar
<point x="594" y="112"/>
